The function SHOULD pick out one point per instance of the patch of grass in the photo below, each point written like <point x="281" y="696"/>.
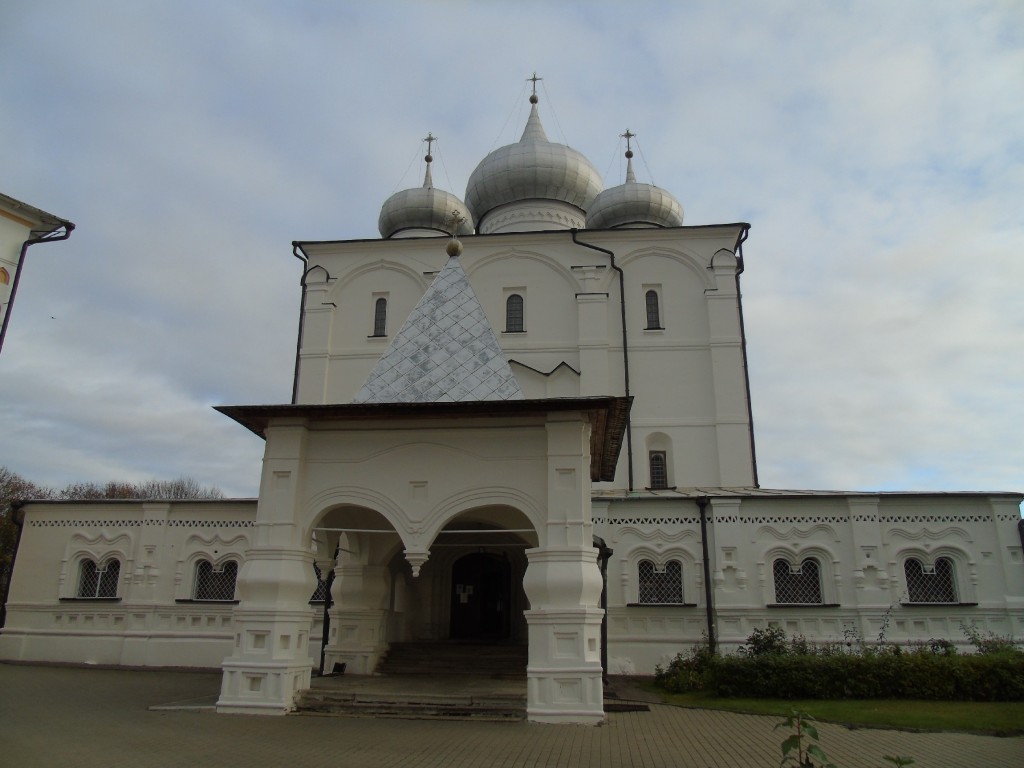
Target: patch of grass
<point x="992" y="718"/>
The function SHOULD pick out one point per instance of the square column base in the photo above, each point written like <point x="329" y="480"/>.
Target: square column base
<point x="564" y="695"/>
<point x="357" y="640"/>
<point x="564" y="680"/>
<point x="249" y="688"/>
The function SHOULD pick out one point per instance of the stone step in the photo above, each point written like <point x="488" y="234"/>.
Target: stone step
<point x="414" y="706"/>
<point x="504" y="661"/>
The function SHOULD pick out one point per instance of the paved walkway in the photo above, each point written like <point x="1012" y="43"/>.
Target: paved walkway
<point x="58" y="716"/>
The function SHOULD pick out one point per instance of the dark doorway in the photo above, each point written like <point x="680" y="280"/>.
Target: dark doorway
<point x="481" y="597"/>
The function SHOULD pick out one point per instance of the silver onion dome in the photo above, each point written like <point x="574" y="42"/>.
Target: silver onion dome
<point x="634" y="204"/>
<point x="422" y="210"/>
<point x="532" y="169"/>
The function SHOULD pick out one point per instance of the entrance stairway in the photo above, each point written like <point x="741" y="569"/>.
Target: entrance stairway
<point x="443" y="681"/>
<point x="432" y="681"/>
<point x="506" y="661"/>
<point x="414" y="706"/>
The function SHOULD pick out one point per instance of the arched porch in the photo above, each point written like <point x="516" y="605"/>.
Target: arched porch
<point x="469" y="587"/>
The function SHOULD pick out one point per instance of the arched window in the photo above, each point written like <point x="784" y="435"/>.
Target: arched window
<point x="659" y="469"/>
<point x="217" y="584"/>
<point x="98" y="581"/>
<point x="797" y="584"/>
<point x="660" y="584"/>
<point x="514" y="317"/>
<point x="930" y="584"/>
<point x="653" y="311"/>
<point x="380" y="317"/>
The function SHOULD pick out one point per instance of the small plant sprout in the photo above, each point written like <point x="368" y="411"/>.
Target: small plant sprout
<point x="899" y="762"/>
<point x="801" y="745"/>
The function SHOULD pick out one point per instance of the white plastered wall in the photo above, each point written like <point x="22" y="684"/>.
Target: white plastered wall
<point x="688" y="379"/>
<point x="861" y="543"/>
<point x="153" y="621"/>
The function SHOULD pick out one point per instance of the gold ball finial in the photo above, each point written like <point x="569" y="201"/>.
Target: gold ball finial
<point x="454" y="248"/>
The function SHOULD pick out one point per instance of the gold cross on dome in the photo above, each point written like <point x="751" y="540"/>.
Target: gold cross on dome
<point x="430" y="139"/>
<point x="627" y="136"/>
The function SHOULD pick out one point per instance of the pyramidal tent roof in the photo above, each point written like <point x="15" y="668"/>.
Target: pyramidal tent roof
<point x="445" y="352"/>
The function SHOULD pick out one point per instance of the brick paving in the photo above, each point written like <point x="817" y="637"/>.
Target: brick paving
<point x="62" y="716"/>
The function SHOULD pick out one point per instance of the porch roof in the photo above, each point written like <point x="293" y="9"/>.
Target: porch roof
<point x="607" y="416"/>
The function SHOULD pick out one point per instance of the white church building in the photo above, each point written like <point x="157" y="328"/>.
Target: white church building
<point x="536" y="434"/>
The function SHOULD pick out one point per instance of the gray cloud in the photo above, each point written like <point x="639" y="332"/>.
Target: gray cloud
<point x="874" y="147"/>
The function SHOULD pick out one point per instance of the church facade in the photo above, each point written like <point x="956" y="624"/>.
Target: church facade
<point x="538" y="433"/>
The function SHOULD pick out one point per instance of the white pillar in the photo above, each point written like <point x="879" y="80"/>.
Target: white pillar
<point x="270" y="662"/>
<point x="359" y="616"/>
<point x="564" y="671"/>
<point x="563" y="584"/>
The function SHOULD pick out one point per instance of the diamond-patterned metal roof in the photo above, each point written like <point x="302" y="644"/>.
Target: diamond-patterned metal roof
<point x="446" y="351"/>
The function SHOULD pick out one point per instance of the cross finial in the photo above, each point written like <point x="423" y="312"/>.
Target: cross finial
<point x="627" y="136"/>
<point x="456" y="219"/>
<point x="534" y="80"/>
<point x="430" y="139"/>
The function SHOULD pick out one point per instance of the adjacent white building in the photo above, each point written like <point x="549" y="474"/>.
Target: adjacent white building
<point x="539" y="434"/>
<point x="21" y="226"/>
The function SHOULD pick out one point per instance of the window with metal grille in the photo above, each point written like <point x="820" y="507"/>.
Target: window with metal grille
<point x="797" y="583"/>
<point x="514" y="314"/>
<point x="930" y="584"/>
<point x="653" y="311"/>
<point x="320" y="593"/>
<point x="380" y="317"/>
<point x="659" y="584"/>
<point x="94" y="581"/>
<point x="215" y="583"/>
<point x="659" y="469"/>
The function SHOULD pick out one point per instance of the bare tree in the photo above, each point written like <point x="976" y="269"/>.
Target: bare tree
<point x="180" y="488"/>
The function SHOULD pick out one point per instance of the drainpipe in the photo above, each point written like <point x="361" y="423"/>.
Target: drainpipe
<point x="702" y="505"/>
<point x="18" y="516"/>
<point x="49" y="237"/>
<point x="625" y="346"/>
<point x="298" y="253"/>
<point x="744" y="233"/>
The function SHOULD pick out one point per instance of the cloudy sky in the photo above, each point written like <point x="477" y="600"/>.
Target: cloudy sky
<point x="876" y="148"/>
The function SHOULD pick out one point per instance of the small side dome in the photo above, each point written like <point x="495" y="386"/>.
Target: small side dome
<point x="634" y="204"/>
<point x="537" y="184"/>
<point x="423" y="211"/>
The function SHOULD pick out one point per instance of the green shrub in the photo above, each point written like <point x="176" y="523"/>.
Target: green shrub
<point x="769" y="666"/>
<point x="765" y="642"/>
<point x="989" y="643"/>
<point x="686" y="672"/>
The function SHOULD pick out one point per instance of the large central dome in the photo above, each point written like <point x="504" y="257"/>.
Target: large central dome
<point x="533" y="184"/>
